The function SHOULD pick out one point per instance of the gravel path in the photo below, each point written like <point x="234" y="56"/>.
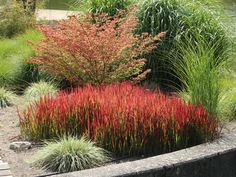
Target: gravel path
<point x="4" y="169"/>
<point x="10" y="132"/>
<point x="45" y="14"/>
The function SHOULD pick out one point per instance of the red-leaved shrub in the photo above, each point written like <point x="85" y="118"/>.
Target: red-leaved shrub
<point x="83" y="52"/>
<point x="123" y="118"/>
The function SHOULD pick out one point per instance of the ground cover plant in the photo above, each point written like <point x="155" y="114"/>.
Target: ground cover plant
<point x="70" y="154"/>
<point x="15" y="72"/>
<point x="81" y="52"/>
<point x="122" y="118"/>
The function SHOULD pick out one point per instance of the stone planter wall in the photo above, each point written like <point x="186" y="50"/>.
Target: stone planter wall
<point x="216" y="159"/>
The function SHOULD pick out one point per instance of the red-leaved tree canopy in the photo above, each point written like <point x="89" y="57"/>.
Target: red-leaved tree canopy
<point x="84" y="52"/>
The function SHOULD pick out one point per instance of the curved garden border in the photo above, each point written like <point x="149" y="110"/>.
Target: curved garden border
<point x="216" y="159"/>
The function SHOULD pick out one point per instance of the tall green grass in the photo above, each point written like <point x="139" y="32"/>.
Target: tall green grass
<point x="14" y="71"/>
<point x="200" y="76"/>
<point x="179" y="18"/>
<point x="200" y="73"/>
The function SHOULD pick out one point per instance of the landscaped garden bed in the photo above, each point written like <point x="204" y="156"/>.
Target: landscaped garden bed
<point x="121" y="81"/>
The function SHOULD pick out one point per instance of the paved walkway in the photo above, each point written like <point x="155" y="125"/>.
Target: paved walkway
<point x="46" y="14"/>
<point x="4" y="169"/>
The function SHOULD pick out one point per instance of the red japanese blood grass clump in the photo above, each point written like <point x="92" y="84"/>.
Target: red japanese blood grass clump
<point x="123" y="118"/>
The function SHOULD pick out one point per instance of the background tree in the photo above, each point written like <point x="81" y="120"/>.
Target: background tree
<point x="28" y="5"/>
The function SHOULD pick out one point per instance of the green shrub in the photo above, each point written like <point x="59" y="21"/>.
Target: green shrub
<point x="38" y="90"/>
<point x="14" y="71"/>
<point x="70" y="154"/>
<point x="6" y="98"/>
<point x="111" y="7"/>
<point x="178" y="18"/>
<point x="14" y="20"/>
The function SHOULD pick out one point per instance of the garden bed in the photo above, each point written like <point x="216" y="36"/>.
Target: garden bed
<point x="144" y="80"/>
<point x="18" y="161"/>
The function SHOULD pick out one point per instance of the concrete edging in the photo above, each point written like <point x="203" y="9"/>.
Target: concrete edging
<point x="216" y="159"/>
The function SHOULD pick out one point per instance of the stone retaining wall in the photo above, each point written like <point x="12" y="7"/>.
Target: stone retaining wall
<point x="216" y="159"/>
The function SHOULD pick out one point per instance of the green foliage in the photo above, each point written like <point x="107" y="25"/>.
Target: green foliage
<point x="227" y="105"/>
<point x="6" y="98"/>
<point x="38" y="90"/>
<point x="58" y="4"/>
<point x="179" y="18"/>
<point x="70" y="154"/>
<point x="111" y="7"/>
<point x="14" y="71"/>
<point x="14" y="20"/>
<point x="199" y="72"/>
<point x="29" y="6"/>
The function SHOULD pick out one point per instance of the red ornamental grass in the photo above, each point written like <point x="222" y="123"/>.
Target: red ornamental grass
<point x="123" y="118"/>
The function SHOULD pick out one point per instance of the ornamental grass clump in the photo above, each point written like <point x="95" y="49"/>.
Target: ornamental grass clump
<point x="200" y="73"/>
<point x="39" y="89"/>
<point x="6" y="98"/>
<point x="70" y="154"/>
<point x="122" y="118"/>
<point x="180" y="18"/>
<point x="81" y="52"/>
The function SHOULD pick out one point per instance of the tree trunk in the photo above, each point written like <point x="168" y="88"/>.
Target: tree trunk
<point x="28" y="5"/>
